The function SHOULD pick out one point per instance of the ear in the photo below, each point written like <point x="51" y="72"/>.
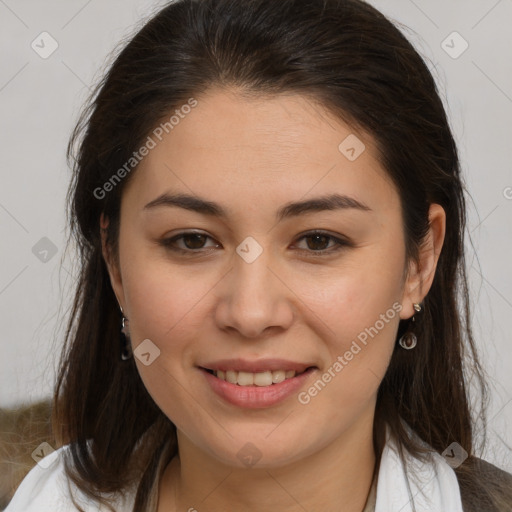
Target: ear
<point x="421" y="274"/>
<point x="112" y="266"/>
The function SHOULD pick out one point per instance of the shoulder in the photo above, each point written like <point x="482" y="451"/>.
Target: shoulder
<point x="43" y="488"/>
<point x="47" y="488"/>
<point x="484" y="486"/>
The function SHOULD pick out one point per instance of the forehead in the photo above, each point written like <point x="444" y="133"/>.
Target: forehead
<point x="261" y="147"/>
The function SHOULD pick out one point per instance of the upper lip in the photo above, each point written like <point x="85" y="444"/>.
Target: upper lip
<point x="256" y="366"/>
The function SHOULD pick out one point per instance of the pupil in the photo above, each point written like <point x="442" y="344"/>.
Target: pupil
<point x="316" y="238"/>
<point x="193" y="237"/>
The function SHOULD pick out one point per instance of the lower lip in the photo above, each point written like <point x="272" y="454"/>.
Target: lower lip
<point x="256" y="397"/>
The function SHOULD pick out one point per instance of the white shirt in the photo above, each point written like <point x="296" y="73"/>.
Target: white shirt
<point x="433" y="485"/>
<point x="46" y="488"/>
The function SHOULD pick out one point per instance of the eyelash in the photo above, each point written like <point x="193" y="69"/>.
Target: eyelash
<point x="340" y="243"/>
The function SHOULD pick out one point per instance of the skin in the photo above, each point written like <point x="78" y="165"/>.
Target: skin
<point x="252" y="156"/>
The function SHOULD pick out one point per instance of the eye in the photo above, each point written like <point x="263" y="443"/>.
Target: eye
<point x="192" y="240"/>
<point x="194" y="243"/>
<point x="320" y="239"/>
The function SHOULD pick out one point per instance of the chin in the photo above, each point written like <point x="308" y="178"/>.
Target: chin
<point x="259" y="450"/>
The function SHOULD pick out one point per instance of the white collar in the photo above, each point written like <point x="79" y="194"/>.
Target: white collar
<point x="432" y="484"/>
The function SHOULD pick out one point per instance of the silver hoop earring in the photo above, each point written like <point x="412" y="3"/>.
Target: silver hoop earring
<point x="409" y="340"/>
<point x="126" y="348"/>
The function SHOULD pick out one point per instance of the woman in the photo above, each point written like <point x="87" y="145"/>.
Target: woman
<point x="268" y="204"/>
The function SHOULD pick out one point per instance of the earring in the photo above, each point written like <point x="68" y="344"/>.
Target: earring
<point x="126" y="349"/>
<point x="408" y="340"/>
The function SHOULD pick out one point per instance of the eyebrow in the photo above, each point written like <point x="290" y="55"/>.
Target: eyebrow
<point x="205" y="207"/>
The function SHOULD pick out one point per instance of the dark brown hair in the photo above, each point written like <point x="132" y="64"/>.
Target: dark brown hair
<point x="355" y="62"/>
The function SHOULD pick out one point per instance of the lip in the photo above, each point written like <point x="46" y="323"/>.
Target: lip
<point x="260" y="365"/>
<point x="257" y="397"/>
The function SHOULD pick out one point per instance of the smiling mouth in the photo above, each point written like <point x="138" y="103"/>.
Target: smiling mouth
<point x="262" y="379"/>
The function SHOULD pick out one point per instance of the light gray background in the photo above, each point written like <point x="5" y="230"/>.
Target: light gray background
<point x="40" y="100"/>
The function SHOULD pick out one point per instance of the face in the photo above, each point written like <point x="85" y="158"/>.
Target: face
<point x="258" y="286"/>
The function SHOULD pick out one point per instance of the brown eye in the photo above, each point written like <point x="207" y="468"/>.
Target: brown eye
<point x="318" y="243"/>
<point x="194" y="241"/>
<point x="191" y="242"/>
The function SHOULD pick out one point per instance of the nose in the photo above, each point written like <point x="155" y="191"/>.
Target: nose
<point x="253" y="298"/>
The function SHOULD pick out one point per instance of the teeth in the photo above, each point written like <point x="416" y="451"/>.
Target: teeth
<point x="231" y="376"/>
<point x="262" y="379"/>
<point x="278" y="376"/>
<point x="245" y="379"/>
<point x="255" y="379"/>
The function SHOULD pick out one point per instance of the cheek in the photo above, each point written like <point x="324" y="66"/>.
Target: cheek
<point x="364" y="320"/>
<point x="162" y="298"/>
<point x="362" y="310"/>
<point x="354" y="296"/>
<point x="164" y="308"/>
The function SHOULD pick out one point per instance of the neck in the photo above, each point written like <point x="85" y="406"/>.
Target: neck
<point x="336" y="478"/>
